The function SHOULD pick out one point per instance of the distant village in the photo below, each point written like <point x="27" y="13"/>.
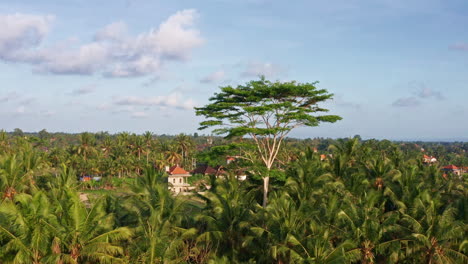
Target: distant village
<point x="177" y="176"/>
<point x="449" y="169"/>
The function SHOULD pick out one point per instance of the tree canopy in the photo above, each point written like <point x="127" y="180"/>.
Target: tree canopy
<point x="267" y="112"/>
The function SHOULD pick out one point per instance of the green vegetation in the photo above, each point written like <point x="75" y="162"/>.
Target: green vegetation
<point x="266" y="111"/>
<point x="367" y="202"/>
<point x="102" y="198"/>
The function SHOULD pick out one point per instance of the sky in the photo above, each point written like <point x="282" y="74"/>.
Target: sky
<point x="398" y="69"/>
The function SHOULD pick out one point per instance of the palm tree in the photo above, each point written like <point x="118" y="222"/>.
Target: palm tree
<point x="172" y="155"/>
<point x="158" y="215"/>
<point x="86" y="147"/>
<point x="86" y="234"/>
<point x="346" y="147"/>
<point x="148" y="138"/>
<point x="378" y="169"/>
<point x="436" y="236"/>
<point x="12" y="177"/>
<point x="184" y="145"/>
<point x="292" y="236"/>
<point x="227" y="216"/>
<point x="106" y="145"/>
<point x="4" y="143"/>
<point x="27" y="223"/>
<point x="138" y="146"/>
<point x="374" y="234"/>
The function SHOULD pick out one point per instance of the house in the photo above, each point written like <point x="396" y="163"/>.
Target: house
<point x="85" y="178"/>
<point x="429" y="159"/>
<point x="230" y="159"/>
<point x="178" y="179"/>
<point x="207" y="170"/>
<point x="453" y="169"/>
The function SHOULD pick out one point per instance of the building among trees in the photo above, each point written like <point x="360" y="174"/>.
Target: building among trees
<point x="429" y="159"/>
<point x="178" y="179"/>
<point x="453" y="169"/>
<point x="208" y="170"/>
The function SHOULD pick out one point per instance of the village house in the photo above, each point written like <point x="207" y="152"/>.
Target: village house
<point x="453" y="169"/>
<point x="230" y="159"/>
<point x="178" y="179"/>
<point x="207" y="170"/>
<point x="429" y="159"/>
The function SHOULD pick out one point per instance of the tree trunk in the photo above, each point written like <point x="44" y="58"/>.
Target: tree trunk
<point x="266" y="180"/>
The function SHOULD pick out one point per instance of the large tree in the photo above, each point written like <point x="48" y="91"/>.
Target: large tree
<point x="267" y="112"/>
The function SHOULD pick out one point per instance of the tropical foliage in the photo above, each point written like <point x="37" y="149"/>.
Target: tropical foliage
<point x="350" y="201"/>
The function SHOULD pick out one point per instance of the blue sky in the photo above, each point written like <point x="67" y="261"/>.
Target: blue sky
<point x="398" y="69"/>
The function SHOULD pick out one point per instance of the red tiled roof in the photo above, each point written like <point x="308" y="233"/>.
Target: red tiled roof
<point x="204" y="169"/>
<point x="451" y="167"/>
<point x="426" y="157"/>
<point x="177" y="170"/>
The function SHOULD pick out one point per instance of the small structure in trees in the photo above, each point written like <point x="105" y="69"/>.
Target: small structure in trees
<point x="178" y="179"/>
<point x="429" y="159"/>
<point x="266" y="112"/>
<point x="208" y="170"/>
<point x="453" y="169"/>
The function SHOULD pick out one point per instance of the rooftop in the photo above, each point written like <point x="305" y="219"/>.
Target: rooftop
<point x="177" y="170"/>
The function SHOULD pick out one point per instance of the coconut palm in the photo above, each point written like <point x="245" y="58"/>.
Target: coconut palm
<point x="86" y="147"/>
<point x="158" y="215"/>
<point x="148" y="138"/>
<point x="4" y="142"/>
<point x="374" y="234"/>
<point x="27" y="226"/>
<point x="227" y="216"/>
<point x="292" y="236"/>
<point x="13" y="178"/>
<point x="184" y="145"/>
<point x="86" y="234"/>
<point x="436" y="235"/>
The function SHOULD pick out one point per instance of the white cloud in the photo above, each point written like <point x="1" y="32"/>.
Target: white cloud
<point x="112" y="52"/>
<point x="269" y="70"/>
<point x="126" y="109"/>
<point x="85" y="60"/>
<point x="84" y="90"/>
<point x="48" y="113"/>
<point x="460" y="46"/>
<point x="103" y="106"/>
<point x="406" y="102"/>
<point x="21" y="31"/>
<point x="20" y="99"/>
<point x="421" y="94"/>
<point x="340" y="101"/>
<point x="20" y="109"/>
<point x="9" y="97"/>
<point x="214" y="77"/>
<point x="140" y="114"/>
<point x="176" y="37"/>
<point x="27" y="101"/>
<point x="116" y="31"/>
<point x="425" y="92"/>
<point x="173" y="100"/>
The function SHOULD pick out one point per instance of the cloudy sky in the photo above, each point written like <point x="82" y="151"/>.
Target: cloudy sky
<point x="398" y="68"/>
